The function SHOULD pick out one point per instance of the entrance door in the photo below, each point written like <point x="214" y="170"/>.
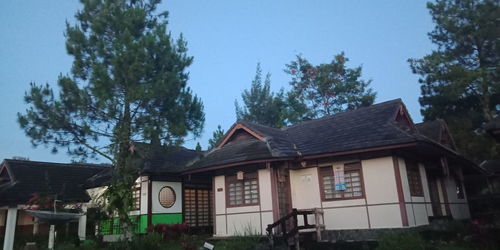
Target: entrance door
<point x="197" y="209"/>
<point x="434" y="193"/>
<point x="284" y="199"/>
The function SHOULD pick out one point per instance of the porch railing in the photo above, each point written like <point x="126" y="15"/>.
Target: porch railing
<point x="287" y="227"/>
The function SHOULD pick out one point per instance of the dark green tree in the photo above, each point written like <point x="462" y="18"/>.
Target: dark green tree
<point x="262" y="106"/>
<point x="217" y="135"/>
<point x="329" y="88"/>
<point x="128" y="84"/>
<point x="198" y="147"/>
<point x="460" y="80"/>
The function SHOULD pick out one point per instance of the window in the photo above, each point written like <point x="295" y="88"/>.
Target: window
<point x="414" y="180"/>
<point x="136" y="196"/>
<point x="242" y="192"/>
<point x="166" y="197"/>
<point x="352" y="180"/>
<point x="460" y="189"/>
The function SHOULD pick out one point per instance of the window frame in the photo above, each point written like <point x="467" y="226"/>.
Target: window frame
<point x="136" y="206"/>
<point x="246" y="177"/>
<point x="348" y="167"/>
<point x="174" y="194"/>
<point x="413" y="165"/>
<point x="459" y="189"/>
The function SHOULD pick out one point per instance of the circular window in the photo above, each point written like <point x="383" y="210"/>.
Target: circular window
<point x="166" y="197"/>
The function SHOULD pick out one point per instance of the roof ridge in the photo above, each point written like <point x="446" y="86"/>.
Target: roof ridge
<point x="342" y="113"/>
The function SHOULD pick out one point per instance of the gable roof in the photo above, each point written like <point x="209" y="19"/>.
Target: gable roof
<point x="366" y="127"/>
<point x="435" y="130"/>
<point x="63" y="180"/>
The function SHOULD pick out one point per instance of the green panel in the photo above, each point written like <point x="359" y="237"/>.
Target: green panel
<point x="111" y="226"/>
<point x="143" y="223"/>
<point x="166" y="218"/>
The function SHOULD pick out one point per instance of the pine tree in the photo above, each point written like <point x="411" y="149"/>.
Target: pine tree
<point x="217" y="135"/>
<point x="198" y="147"/>
<point x="460" y="81"/>
<point x="128" y="84"/>
<point x="328" y="88"/>
<point x="262" y="106"/>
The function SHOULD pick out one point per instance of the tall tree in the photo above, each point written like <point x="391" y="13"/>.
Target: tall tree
<point x="217" y="135"/>
<point x="460" y="81"/>
<point x="262" y="106"/>
<point x="329" y="88"/>
<point x="128" y="84"/>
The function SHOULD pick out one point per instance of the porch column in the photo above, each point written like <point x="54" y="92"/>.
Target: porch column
<point x="35" y="226"/>
<point x="82" y="224"/>
<point x="10" y="228"/>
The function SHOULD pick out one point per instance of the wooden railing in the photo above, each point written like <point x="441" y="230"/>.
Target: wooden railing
<point x="289" y="228"/>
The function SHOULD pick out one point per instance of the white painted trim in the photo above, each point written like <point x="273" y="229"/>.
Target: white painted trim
<point x="10" y="229"/>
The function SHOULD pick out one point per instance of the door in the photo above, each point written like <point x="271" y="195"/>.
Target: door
<point x="284" y="192"/>
<point x="434" y="193"/>
<point x="197" y="209"/>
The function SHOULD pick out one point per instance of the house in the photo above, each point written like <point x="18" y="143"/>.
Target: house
<point x="370" y="168"/>
<point x="23" y="181"/>
<point x="162" y="194"/>
<point x="365" y="169"/>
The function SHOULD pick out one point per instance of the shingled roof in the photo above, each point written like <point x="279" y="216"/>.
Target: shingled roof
<point x="366" y="127"/>
<point x="28" y="177"/>
<point x="161" y="159"/>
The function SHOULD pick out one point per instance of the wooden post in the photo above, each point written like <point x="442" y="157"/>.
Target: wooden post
<point x="51" y="237"/>
<point x="318" y="225"/>
<point x="82" y="224"/>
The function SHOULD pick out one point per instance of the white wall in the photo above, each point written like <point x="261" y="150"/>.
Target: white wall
<point x="157" y="207"/>
<point x="381" y="193"/>
<point x="144" y="195"/>
<point x="417" y="208"/>
<point x="458" y="207"/>
<point x="245" y="219"/>
<point x="380" y="209"/>
<point x="305" y="188"/>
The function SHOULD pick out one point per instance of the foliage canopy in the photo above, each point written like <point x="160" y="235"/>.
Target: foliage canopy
<point x="128" y="84"/>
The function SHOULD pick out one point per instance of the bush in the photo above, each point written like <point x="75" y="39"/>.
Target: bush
<point x="172" y="231"/>
<point x="402" y="241"/>
<point x="238" y="243"/>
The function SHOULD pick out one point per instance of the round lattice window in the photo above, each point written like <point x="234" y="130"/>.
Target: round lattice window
<point x="166" y="197"/>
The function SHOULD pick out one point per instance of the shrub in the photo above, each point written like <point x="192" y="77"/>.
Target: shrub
<point x="172" y="231"/>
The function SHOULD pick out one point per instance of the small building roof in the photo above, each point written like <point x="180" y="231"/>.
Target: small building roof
<point x="22" y="179"/>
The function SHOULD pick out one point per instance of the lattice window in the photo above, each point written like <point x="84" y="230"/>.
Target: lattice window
<point x="352" y="180"/>
<point x="414" y="179"/>
<point x="166" y="197"/>
<point x="243" y="192"/>
<point x="136" y="196"/>
<point x="190" y="206"/>
<point x="460" y="189"/>
<point x="197" y="207"/>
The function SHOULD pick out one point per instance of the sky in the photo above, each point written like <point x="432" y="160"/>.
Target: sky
<point x="227" y="39"/>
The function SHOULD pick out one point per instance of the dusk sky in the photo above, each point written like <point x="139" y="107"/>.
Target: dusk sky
<point x="227" y="40"/>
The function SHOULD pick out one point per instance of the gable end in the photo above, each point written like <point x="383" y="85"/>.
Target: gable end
<point x="403" y="119"/>
<point x="239" y="132"/>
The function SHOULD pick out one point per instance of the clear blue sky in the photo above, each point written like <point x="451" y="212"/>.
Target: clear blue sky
<point x="227" y="39"/>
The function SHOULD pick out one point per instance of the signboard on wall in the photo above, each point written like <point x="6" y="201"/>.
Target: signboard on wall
<point x="338" y="174"/>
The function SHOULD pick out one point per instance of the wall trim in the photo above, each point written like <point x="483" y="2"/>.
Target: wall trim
<point x="399" y="187"/>
<point x="253" y="212"/>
